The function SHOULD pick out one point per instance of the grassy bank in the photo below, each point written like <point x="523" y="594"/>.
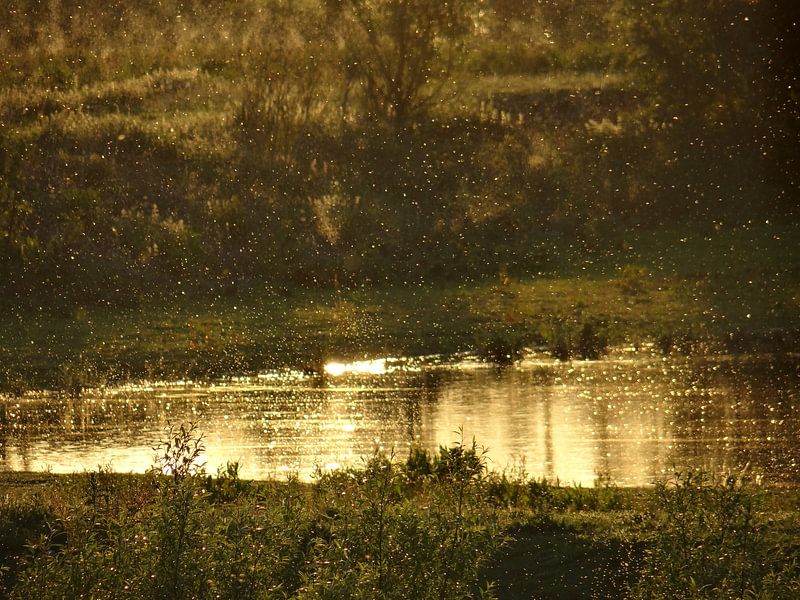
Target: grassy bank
<point x="426" y="527"/>
<point x="204" y="155"/>
<point x="710" y="293"/>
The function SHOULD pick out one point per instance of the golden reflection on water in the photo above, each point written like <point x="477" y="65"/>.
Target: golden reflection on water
<point x="370" y="367"/>
<point x="630" y="420"/>
<point x="573" y="428"/>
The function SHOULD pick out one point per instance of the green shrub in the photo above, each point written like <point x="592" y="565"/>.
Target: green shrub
<point x="22" y="522"/>
<point x="419" y="463"/>
<point x="632" y="280"/>
<point x="383" y="543"/>
<point x="710" y="540"/>
<point x="585" y="340"/>
<point x="502" y="345"/>
<point x="592" y="341"/>
<point x="360" y="533"/>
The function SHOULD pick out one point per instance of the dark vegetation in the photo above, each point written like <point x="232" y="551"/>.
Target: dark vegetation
<point x="464" y="158"/>
<point x="162" y="149"/>
<point x="195" y="188"/>
<point x="430" y="527"/>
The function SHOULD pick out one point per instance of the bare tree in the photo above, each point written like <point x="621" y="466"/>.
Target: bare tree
<point x="401" y="51"/>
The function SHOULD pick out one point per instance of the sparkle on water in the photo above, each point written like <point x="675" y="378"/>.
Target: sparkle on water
<point x="632" y="418"/>
<point x="371" y="367"/>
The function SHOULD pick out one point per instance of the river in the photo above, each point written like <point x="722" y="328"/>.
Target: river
<point x="630" y="419"/>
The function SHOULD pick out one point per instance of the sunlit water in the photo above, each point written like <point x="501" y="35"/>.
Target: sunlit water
<point x="632" y="418"/>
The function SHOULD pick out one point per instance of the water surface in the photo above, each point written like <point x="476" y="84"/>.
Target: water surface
<point x="632" y="418"/>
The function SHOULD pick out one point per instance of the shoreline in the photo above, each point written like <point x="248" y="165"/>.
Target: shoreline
<point x="263" y="331"/>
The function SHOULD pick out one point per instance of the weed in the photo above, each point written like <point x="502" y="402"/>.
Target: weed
<point x="632" y="280"/>
<point x="710" y="541"/>
<point x="178" y="533"/>
<point x="387" y="541"/>
<point x="592" y="340"/>
<point x="176" y="475"/>
<point x="502" y="345"/>
<point x="586" y="340"/>
<point x="419" y="463"/>
<point x="21" y="522"/>
<point x="227" y="486"/>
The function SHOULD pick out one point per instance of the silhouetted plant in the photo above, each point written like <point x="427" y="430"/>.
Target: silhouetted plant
<point x="382" y="543"/>
<point x="228" y="485"/>
<point x="560" y="345"/>
<point x="177" y="476"/>
<point x="585" y="340"/>
<point x="419" y="463"/>
<point x="402" y="52"/>
<point x="502" y="345"/>
<point x="592" y="343"/>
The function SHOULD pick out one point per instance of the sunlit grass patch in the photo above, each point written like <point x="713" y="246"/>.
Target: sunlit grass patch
<point x="557" y="80"/>
<point x="263" y="329"/>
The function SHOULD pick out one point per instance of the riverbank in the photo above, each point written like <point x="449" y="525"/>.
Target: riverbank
<point x="711" y="303"/>
<point x="156" y="177"/>
<point x="428" y="525"/>
<point x="575" y="551"/>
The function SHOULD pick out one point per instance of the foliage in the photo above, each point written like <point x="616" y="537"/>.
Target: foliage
<point x="400" y="50"/>
<point x="285" y="91"/>
<point x="708" y="76"/>
<point x="361" y="533"/>
<point x="432" y="527"/>
<point x="339" y="145"/>
<point x="502" y="344"/>
<point x="583" y="339"/>
<point x="633" y="280"/>
<point x="21" y="520"/>
<point x="710" y="539"/>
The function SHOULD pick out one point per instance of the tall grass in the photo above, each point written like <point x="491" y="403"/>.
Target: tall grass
<point x="179" y="533"/>
<point x="712" y="538"/>
<point x="431" y="527"/>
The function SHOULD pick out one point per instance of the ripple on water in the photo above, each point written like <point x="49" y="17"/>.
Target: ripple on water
<point x="632" y="418"/>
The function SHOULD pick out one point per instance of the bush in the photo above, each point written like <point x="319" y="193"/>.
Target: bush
<point x="383" y="543"/>
<point x="22" y="522"/>
<point x="711" y="541"/>
<point x="585" y="340"/>
<point x="360" y="533"/>
<point x="632" y="280"/>
<point x="502" y="345"/>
